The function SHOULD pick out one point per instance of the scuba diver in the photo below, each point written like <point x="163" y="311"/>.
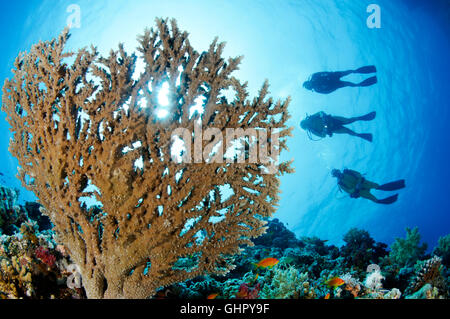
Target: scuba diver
<point x="327" y="82"/>
<point x="322" y="124"/>
<point x="356" y="185"/>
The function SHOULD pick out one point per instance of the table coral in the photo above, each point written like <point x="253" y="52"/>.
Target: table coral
<point x="91" y="130"/>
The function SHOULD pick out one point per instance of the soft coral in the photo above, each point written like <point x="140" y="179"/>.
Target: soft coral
<point x="248" y="293"/>
<point x="45" y="256"/>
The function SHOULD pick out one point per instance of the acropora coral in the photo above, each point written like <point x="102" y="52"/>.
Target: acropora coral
<point x="91" y="130"/>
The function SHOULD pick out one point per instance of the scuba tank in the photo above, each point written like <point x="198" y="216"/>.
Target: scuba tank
<point x="310" y="118"/>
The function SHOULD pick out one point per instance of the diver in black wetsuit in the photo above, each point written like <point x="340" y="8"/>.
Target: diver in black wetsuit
<point x="327" y="82"/>
<point x="353" y="183"/>
<point x="322" y="124"/>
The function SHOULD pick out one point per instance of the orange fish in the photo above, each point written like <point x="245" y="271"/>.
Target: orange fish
<point x="161" y="295"/>
<point x="267" y="262"/>
<point x="327" y="296"/>
<point x="334" y="282"/>
<point x="241" y="294"/>
<point x="212" y="296"/>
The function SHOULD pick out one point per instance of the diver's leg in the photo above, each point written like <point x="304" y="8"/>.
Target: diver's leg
<point x="388" y="200"/>
<point x="392" y="186"/>
<point x="369" y="185"/>
<point x="368" y="117"/>
<point x="363" y="70"/>
<point x="365" y="193"/>
<point x="366" y="69"/>
<point x="345" y="130"/>
<point x="368" y="82"/>
<point x="340" y="74"/>
<point x="344" y="120"/>
<point x="340" y="84"/>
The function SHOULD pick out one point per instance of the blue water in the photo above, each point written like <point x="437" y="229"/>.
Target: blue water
<point x="286" y="41"/>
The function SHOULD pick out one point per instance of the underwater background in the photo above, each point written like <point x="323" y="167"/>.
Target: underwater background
<point x="285" y="42"/>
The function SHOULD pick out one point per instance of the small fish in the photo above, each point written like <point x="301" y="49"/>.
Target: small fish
<point x="212" y="296"/>
<point x="327" y="296"/>
<point x="242" y="292"/>
<point x="267" y="262"/>
<point x="160" y="295"/>
<point x="256" y="277"/>
<point x="334" y="282"/>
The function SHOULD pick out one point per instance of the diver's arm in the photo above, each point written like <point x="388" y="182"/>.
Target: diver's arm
<point x="345" y="189"/>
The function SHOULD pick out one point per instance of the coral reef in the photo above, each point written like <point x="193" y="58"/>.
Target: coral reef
<point x="406" y="252"/>
<point x="428" y="272"/>
<point x="398" y="265"/>
<point x="35" y="266"/>
<point x="12" y="215"/>
<point x="360" y="249"/>
<point x="443" y="250"/>
<point x="426" y="292"/>
<point x="283" y="283"/>
<point x="32" y="265"/>
<point x="307" y="263"/>
<point x="90" y="131"/>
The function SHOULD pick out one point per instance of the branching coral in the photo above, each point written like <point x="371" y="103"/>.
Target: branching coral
<point x="92" y="129"/>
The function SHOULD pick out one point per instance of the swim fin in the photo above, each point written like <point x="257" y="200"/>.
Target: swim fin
<point x="368" y="117"/>
<point x="366" y="136"/>
<point x="370" y="81"/>
<point x="388" y="200"/>
<point x="392" y="186"/>
<point x="366" y="69"/>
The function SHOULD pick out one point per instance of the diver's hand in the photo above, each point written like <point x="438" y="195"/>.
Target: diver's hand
<point x="354" y="195"/>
